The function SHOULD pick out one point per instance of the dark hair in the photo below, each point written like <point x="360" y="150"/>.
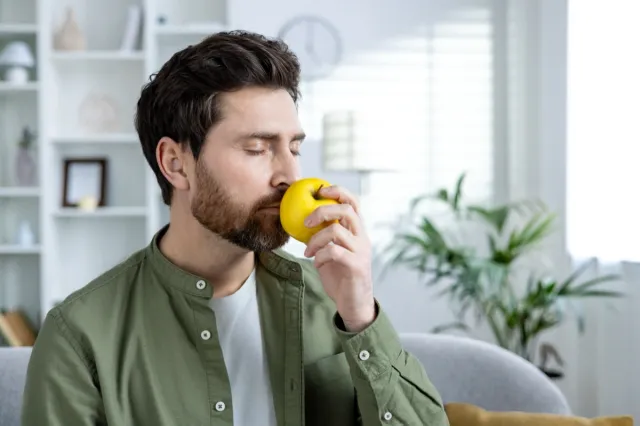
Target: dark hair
<point x="180" y="101"/>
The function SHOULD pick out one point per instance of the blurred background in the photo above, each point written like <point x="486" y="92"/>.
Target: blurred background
<point x="513" y="120"/>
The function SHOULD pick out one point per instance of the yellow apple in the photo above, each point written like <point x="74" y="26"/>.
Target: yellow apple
<point x="298" y="202"/>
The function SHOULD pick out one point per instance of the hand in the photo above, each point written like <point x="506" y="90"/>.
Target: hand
<point x="343" y="258"/>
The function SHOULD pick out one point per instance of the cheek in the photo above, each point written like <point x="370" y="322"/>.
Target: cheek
<point x="236" y="183"/>
<point x="248" y="174"/>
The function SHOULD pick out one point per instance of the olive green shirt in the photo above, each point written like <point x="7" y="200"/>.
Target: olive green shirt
<point x="128" y="349"/>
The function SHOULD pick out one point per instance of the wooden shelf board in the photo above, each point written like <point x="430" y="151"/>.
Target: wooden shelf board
<point x="102" y="212"/>
<point x="30" y="86"/>
<point x="7" y="28"/>
<point x="188" y="30"/>
<point x="8" y="249"/>
<point x="19" y="192"/>
<point x="98" y="55"/>
<point x="114" y="138"/>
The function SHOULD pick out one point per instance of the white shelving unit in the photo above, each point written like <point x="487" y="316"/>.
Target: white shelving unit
<point x="73" y="246"/>
<point x="20" y="264"/>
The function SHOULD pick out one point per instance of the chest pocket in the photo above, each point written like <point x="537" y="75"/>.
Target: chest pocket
<point x="330" y="397"/>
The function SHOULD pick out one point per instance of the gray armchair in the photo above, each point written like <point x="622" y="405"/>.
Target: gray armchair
<point x="13" y="369"/>
<point x="482" y="374"/>
<point x="463" y="370"/>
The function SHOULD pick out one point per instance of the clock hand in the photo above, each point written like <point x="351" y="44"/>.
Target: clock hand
<point x="309" y="40"/>
<point x="310" y="48"/>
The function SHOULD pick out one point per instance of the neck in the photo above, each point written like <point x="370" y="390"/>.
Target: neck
<point x="195" y="249"/>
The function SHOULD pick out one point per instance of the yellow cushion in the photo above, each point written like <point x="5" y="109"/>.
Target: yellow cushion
<point x="469" y="415"/>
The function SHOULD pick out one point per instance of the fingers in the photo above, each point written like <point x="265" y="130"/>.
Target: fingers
<point x="334" y="234"/>
<point x="332" y="253"/>
<point x="341" y="195"/>
<point x="343" y="213"/>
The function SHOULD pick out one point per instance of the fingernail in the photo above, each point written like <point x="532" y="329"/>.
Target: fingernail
<point x="308" y="221"/>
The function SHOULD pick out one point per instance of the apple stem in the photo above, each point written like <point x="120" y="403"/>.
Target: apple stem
<point x="316" y="195"/>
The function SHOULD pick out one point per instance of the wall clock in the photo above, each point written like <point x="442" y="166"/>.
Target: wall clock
<point x="316" y="42"/>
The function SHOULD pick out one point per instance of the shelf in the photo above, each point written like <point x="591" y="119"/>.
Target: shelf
<point x="31" y="86"/>
<point x="98" y="55"/>
<point x="102" y="212"/>
<point x="19" y="192"/>
<point x="8" y="249"/>
<point x="17" y="29"/>
<point x="97" y="139"/>
<point x="188" y="30"/>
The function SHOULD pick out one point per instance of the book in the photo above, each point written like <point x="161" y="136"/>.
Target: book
<point x="16" y="329"/>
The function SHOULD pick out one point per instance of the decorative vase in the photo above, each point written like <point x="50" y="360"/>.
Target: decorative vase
<point x="98" y="113"/>
<point x="69" y="36"/>
<point x="25" y="167"/>
<point x="551" y="373"/>
<point x="25" y="236"/>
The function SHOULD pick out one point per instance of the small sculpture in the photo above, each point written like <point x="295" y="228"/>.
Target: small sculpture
<point x="98" y="113"/>
<point x="69" y="36"/>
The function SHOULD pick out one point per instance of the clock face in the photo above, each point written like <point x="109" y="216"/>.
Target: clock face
<point x="317" y="44"/>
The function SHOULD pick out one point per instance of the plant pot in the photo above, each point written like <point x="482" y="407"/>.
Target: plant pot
<point x="25" y="168"/>
<point x="551" y="373"/>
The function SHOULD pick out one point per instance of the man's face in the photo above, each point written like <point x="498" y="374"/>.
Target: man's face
<point x="248" y="160"/>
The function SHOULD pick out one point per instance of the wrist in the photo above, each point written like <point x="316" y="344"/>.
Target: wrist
<point x="359" y="319"/>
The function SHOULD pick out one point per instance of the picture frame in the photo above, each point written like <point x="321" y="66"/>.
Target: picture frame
<point x="84" y="178"/>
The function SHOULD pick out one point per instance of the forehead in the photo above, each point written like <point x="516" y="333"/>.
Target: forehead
<point x="259" y="109"/>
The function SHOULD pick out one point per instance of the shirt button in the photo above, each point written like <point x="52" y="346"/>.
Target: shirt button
<point x="388" y="416"/>
<point x="364" y="355"/>
<point x="200" y="285"/>
<point x="220" y="406"/>
<point x="206" y="335"/>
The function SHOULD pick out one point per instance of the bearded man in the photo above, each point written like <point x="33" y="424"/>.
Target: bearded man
<point x="214" y="323"/>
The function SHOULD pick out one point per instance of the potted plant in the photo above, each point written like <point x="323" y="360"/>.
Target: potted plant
<point x="492" y="271"/>
<point x="25" y="162"/>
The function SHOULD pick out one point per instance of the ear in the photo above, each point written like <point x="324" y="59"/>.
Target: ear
<point x="173" y="163"/>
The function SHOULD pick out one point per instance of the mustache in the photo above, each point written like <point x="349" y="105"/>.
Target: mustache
<point x="269" y="200"/>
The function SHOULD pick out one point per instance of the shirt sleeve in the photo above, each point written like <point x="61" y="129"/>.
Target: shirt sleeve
<point x="60" y="387"/>
<point x="392" y="387"/>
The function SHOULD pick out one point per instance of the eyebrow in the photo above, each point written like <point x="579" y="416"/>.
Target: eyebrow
<point x="270" y="136"/>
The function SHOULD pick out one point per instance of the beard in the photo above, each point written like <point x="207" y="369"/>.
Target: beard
<point x="245" y="226"/>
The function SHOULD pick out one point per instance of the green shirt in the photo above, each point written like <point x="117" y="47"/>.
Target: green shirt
<point x="128" y="349"/>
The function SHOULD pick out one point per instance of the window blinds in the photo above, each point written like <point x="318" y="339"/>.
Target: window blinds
<point x="429" y="91"/>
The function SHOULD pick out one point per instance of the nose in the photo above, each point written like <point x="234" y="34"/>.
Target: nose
<point x="286" y="170"/>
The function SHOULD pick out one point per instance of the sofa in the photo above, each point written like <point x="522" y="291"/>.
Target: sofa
<point x="462" y="369"/>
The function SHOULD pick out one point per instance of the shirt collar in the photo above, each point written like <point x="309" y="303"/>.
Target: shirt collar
<point x="276" y="262"/>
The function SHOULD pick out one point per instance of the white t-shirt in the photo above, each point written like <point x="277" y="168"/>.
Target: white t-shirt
<point x="238" y="324"/>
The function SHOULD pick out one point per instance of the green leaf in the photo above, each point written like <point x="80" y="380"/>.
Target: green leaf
<point x="568" y="290"/>
<point x="598" y="293"/>
<point x="579" y="314"/>
<point x="575" y="275"/>
<point x="450" y="326"/>
<point x="415" y="202"/>
<point x="533" y="232"/>
<point x="457" y="195"/>
<point x="497" y="217"/>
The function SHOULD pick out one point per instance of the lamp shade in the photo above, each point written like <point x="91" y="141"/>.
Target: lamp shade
<point x="355" y="141"/>
<point x="17" y="54"/>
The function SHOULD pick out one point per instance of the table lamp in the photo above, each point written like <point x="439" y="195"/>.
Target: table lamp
<point x="17" y="57"/>
<point x="357" y="142"/>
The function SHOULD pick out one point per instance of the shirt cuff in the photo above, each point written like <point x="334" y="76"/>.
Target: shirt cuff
<point x="374" y="350"/>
